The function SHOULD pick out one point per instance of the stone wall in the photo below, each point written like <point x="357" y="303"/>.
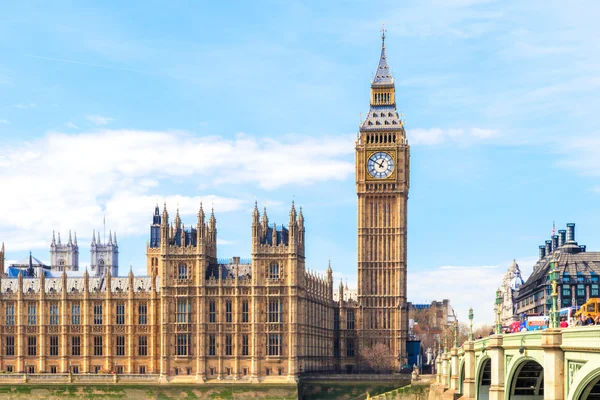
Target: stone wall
<point x="149" y="392"/>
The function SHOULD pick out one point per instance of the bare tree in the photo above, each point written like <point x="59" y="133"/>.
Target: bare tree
<point x="377" y="358"/>
<point x="483" y="331"/>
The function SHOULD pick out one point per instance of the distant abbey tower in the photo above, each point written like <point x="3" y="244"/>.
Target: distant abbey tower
<point x="104" y="256"/>
<point x="64" y="257"/>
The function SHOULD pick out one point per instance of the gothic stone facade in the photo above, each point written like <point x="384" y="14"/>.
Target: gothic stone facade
<point x="197" y="316"/>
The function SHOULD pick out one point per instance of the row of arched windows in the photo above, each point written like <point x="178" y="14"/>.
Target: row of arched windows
<point x="381" y="138"/>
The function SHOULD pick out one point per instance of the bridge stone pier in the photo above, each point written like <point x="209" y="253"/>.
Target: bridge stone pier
<point x="555" y="364"/>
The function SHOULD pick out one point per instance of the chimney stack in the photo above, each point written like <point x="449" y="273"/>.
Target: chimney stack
<point x="562" y="237"/>
<point x="554" y="242"/>
<point x="548" y="247"/>
<point x="542" y="251"/>
<point x="570" y="232"/>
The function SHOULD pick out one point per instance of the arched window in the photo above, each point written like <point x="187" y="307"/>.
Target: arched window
<point x="274" y="271"/>
<point x="182" y="271"/>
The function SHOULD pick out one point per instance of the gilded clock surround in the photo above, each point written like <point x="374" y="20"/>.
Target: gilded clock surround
<point x="370" y="177"/>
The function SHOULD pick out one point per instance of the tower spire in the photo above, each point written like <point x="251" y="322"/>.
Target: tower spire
<point x="53" y="239"/>
<point x="383" y="75"/>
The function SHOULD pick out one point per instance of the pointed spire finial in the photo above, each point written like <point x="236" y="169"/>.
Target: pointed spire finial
<point x="383" y="31"/>
<point x="70" y="241"/>
<point x="383" y="77"/>
<point x="53" y="240"/>
<point x="93" y="236"/>
<point x="59" y="237"/>
<point x="75" y="237"/>
<point x="115" y="238"/>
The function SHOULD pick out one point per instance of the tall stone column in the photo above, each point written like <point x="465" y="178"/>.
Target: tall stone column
<point x="445" y="366"/>
<point x="438" y="368"/>
<point x="469" y="382"/>
<point x="454" y="368"/>
<point x="553" y="364"/>
<point x="497" y="359"/>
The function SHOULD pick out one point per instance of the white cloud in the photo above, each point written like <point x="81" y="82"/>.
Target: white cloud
<point x="99" y="119"/>
<point x="71" y="125"/>
<point x="69" y="181"/>
<point x="464" y="286"/>
<point x="434" y="136"/>
<point x="4" y="121"/>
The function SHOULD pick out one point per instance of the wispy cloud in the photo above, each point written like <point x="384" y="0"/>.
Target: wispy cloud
<point x="25" y="106"/>
<point x="4" y="121"/>
<point x="581" y="154"/>
<point x="71" y="125"/>
<point x="434" y="136"/>
<point x="99" y="119"/>
<point x="104" y="66"/>
<point x="114" y="176"/>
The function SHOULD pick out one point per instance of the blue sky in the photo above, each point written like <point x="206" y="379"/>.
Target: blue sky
<point x="107" y="108"/>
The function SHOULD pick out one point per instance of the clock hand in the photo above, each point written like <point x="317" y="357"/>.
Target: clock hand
<point x="380" y="164"/>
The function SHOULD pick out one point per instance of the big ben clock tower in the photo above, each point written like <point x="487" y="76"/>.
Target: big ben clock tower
<point x="382" y="182"/>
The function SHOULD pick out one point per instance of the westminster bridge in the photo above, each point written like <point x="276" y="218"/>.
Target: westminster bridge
<point x="554" y="364"/>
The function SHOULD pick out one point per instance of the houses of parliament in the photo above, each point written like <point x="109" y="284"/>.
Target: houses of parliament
<point x="197" y="316"/>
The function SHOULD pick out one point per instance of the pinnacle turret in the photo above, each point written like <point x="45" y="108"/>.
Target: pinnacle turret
<point x="213" y="220"/>
<point x="165" y="215"/>
<point x="293" y="213"/>
<point x="200" y="216"/>
<point x="264" y="220"/>
<point x="53" y="240"/>
<point x="177" y="220"/>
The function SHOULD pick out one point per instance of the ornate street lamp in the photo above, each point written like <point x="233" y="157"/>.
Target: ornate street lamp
<point x="554" y="275"/>
<point x="471" y="338"/>
<point x="446" y="342"/>
<point x="455" y="333"/>
<point x="498" y="304"/>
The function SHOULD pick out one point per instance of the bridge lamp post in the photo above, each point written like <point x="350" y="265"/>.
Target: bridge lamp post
<point x="498" y="303"/>
<point x="455" y="333"/>
<point x="471" y="338"/>
<point x="554" y="280"/>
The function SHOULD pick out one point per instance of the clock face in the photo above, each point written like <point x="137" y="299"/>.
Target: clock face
<point x="381" y="165"/>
